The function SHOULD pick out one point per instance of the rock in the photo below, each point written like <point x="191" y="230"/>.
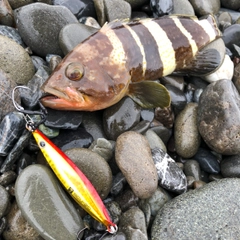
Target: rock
<point x="147" y="114"/>
<point x="187" y="137"/>
<point x="170" y="176"/>
<point x="101" y="15"/>
<point x="230" y="166"/>
<point x="165" y="116"/>
<point x="225" y="71"/>
<point x="45" y="205"/>
<point x="133" y="157"/>
<point x="18" y="228"/>
<point x="127" y="200"/>
<point x="15" y="61"/>
<point x="94" y="167"/>
<point x="117" y="9"/>
<point x="20" y="3"/>
<point x="7" y="178"/>
<point x="182" y="7"/>
<point x="161" y="7"/>
<point x="73" y="34"/>
<point x="192" y="168"/>
<point x="154" y="140"/>
<point x="120" y="117"/>
<point x="39" y="25"/>
<point x="4" y="201"/>
<point x="133" y="224"/>
<point x="202" y="7"/>
<point x="137" y="3"/>
<point x="210" y="212"/>
<point x="218" y="117"/>
<point x="163" y="132"/>
<point x="231" y="4"/>
<point x="118" y="183"/>
<point x="6" y="14"/>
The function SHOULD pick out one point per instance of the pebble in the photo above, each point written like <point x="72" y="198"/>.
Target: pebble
<point x="147" y="114"/>
<point x="4" y="201"/>
<point x="137" y="3"/>
<point x="218" y="117"/>
<point x="230" y="166"/>
<point x="187" y="137"/>
<point x="117" y="10"/>
<point x="231" y="4"/>
<point x="103" y="147"/>
<point x="99" y="7"/>
<point x="120" y="117"/>
<point x="11" y="128"/>
<point x="170" y="176"/>
<point x="211" y="211"/>
<point x="198" y="184"/>
<point x="133" y="157"/>
<point x="39" y="26"/>
<point x="133" y="224"/>
<point x="6" y="14"/>
<point x="161" y="7"/>
<point x="202" y="7"/>
<point x="15" y="61"/>
<point x="163" y="132"/>
<point x="119" y="181"/>
<point x="7" y="178"/>
<point x="154" y="140"/>
<point x="165" y="116"/>
<point x="18" y="228"/>
<point x="72" y="34"/>
<point x="192" y="168"/>
<point x="207" y="161"/>
<point x="45" y="205"/>
<point x="182" y="7"/>
<point x="20" y="3"/>
<point x="94" y="167"/>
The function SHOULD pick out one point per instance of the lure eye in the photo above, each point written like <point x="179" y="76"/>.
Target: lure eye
<point x="74" y="71"/>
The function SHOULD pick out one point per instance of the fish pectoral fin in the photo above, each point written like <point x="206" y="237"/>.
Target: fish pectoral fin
<point x="149" y="94"/>
<point x="205" y="62"/>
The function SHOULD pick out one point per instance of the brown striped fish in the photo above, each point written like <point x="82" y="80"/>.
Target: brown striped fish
<point x="118" y="59"/>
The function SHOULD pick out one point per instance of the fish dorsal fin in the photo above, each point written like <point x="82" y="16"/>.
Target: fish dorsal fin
<point x="181" y="16"/>
<point x="149" y="94"/>
<point x="115" y="23"/>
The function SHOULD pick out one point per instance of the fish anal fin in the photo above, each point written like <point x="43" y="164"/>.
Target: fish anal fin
<point x="149" y="94"/>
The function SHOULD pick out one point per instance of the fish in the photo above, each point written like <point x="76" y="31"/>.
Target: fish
<point x="126" y="58"/>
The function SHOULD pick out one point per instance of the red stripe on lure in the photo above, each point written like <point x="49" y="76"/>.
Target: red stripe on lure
<point x="73" y="179"/>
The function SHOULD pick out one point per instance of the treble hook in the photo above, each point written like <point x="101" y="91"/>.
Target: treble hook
<point x="30" y="124"/>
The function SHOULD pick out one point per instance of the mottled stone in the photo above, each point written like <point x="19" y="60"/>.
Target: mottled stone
<point x="94" y="167"/>
<point x="211" y="212"/>
<point x="187" y="137"/>
<point x="133" y="224"/>
<point x="45" y="205"/>
<point x="7" y="178"/>
<point x="230" y="166"/>
<point x="15" y="61"/>
<point x="170" y="176"/>
<point x="18" y="228"/>
<point x="133" y="157"/>
<point x="165" y="116"/>
<point x="160" y="7"/>
<point x="218" y="117"/>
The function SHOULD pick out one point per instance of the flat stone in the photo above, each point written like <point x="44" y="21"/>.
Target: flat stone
<point x="45" y="205"/>
<point x="210" y="212"/>
<point x="133" y="157"/>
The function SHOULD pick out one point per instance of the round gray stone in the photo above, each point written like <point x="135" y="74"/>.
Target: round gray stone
<point x="187" y="137"/>
<point x="202" y="7"/>
<point x="210" y="212"/>
<point x="39" y="25"/>
<point x="15" y="61"/>
<point x="45" y="205"/>
<point x="182" y="7"/>
<point x="230" y="166"/>
<point x="231" y="4"/>
<point x="94" y="167"/>
<point x="133" y="157"/>
<point x="154" y="140"/>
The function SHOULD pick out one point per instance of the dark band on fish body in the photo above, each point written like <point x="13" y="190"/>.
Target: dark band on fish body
<point x="180" y="42"/>
<point x="132" y="51"/>
<point x="199" y="35"/>
<point x="154" y="67"/>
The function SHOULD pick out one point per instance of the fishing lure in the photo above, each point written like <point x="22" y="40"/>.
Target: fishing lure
<point x="72" y="178"/>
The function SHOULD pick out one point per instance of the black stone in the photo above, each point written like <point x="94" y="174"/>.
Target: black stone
<point x="161" y="7"/>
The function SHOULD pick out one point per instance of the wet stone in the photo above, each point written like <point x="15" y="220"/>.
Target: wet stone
<point x="120" y="117"/>
<point x="202" y="7"/>
<point x="7" y="178"/>
<point x="94" y="167"/>
<point x="73" y="34"/>
<point x="154" y="140"/>
<point x="207" y="161"/>
<point x="163" y="132"/>
<point x="127" y="200"/>
<point x="147" y="114"/>
<point x="4" y="201"/>
<point x="11" y="128"/>
<point x="230" y="166"/>
<point x="187" y="137"/>
<point x="213" y="209"/>
<point x="192" y="168"/>
<point x="165" y="116"/>
<point x="39" y="25"/>
<point x="68" y="139"/>
<point x="218" y="117"/>
<point x="133" y="157"/>
<point x="133" y="224"/>
<point x="18" y="228"/>
<point x="182" y="7"/>
<point x="45" y="205"/>
<point x="118" y="183"/>
<point x="161" y="7"/>
<point x="15" y="61"/>
<point x="170" y="176"/>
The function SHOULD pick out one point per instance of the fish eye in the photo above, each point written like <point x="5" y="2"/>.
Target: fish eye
<point x="74" y="71"/>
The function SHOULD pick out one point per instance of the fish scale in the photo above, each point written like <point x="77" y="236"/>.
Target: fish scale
<point x="122" y="59"/>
